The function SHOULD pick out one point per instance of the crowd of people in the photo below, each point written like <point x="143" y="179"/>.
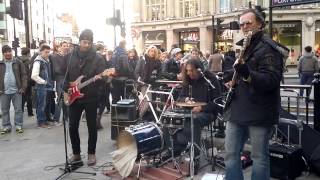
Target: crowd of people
<point x="46" y="77"/>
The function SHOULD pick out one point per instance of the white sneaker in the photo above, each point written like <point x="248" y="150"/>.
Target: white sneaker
<point x="57" y="123"/>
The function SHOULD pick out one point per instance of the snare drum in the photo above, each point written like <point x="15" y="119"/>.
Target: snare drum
<point x="175" y="118"/>
<point x="147" y="136"/>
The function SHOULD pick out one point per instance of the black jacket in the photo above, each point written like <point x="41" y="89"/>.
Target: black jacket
<point x="148" y="69"/>
<point x="257" y="102"/>
<point x="170" y="69"/>
<point x="202" y="92"/>
<point x="59" y="66"/>
<point x="89" y="65"/>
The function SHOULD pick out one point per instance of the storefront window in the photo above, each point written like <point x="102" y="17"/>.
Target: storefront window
<point x="188" y="8"/>
<point x="189" y="40"/>
<point x="155" y="9"/>
<point x="289" y="34"/>
<point x="225" y="6"/>
<point x="317" y="39"/>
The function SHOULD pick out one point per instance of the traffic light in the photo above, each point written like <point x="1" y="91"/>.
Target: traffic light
<point x="15" y="9"/>
<point x="15" y="43"/>
<point x="123" y="30"/>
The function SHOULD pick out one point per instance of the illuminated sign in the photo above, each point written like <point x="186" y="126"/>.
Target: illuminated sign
<point x="281" y="3"/>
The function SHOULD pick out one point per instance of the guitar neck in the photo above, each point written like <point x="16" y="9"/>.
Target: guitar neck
<point x="86" y="83"/>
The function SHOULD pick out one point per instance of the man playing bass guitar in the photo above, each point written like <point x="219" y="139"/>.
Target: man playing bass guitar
<point x="84" y="61"/>
<point x="256" y="100"/>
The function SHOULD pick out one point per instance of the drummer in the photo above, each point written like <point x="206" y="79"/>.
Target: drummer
<point x="195" y="85"/>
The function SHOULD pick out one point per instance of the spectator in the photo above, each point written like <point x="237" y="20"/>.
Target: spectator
<point x="13" y="85"/>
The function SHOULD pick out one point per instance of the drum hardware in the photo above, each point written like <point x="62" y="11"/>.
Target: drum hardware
<point x="146" y="99"/>
<point x="137" y="142"/>
<point x="191" y="104"/>
<point x="175" y="164"/>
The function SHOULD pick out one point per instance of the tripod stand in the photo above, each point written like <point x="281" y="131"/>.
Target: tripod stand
<point x="175" y="164"/>
<point x="69" y="167"/>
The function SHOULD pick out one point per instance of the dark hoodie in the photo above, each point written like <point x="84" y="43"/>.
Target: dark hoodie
<point x="88" y="64"/>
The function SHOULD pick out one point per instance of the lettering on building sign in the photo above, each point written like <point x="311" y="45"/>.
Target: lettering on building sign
<point x="284" y="25"/>
<point x="227" y="34"/>
<point x="291" y="2"/>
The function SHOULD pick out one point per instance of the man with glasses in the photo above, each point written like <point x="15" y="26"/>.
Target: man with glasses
<point x="256" y="101"/>
<point x="84" y="60"/>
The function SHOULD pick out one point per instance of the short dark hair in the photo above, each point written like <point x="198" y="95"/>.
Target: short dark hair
<point x="25" y="51"/>
<point x="44" y="47"/>
<point x="63" y="43"/>
<point x="6" y="48"/>
<point x="260" y="16"/>
<point x="42" y="42"/>
<point x="308" y="49"/>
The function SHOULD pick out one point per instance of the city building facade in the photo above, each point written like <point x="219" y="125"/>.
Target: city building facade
<point x="188" y="23"/>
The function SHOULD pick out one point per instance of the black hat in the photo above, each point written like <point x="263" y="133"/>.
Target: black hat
<point x="86" y="34"/>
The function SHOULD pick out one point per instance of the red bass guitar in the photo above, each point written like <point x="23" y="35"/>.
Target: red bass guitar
<point x="74" y="92"/>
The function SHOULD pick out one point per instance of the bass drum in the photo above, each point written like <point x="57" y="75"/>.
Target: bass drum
<point x="147" y="137"/>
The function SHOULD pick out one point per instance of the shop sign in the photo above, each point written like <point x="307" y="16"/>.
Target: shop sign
<point x="289" y="25"/>
<point x="282" y="3"/>
<point x="227" y="34"/>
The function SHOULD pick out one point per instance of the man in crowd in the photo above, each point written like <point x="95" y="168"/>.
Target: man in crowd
<point x="58" y="61"/>
<point x="84" y="61"/>
<point x="27" y="96"/>
<point x="42" y="75"/>
<point x="13" y="82"/>
<point x="256" y="101"/>
<point x="121" y="65"/>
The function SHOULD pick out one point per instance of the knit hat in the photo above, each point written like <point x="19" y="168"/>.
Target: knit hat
<point x="86" y="34"/>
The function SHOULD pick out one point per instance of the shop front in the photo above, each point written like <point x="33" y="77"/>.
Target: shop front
<point x="189" y="40"/>
<point x="317" y="39"/>
<point x="289" y="33"/>
<point x="155" y="38"/>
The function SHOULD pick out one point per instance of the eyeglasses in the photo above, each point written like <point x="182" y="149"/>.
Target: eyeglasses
<point x="248" y="23"/>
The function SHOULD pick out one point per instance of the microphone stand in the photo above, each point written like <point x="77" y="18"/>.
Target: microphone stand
<point x="207" y="80"/>
<point x="68" y="168"/>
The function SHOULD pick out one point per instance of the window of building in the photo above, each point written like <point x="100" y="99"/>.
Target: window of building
<point x="188" y="8"/>
<point x="155" y="9"/>
<point x="225" y="6"/>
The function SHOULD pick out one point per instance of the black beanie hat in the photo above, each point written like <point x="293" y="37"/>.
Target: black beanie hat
<point x="86" y="34"/>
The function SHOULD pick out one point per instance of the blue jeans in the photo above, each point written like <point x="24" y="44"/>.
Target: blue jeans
<point x="306" y="79"/>
<point x="41" y="106"/>
<point x="236" y="136"/>
<point x="16" y="100"/>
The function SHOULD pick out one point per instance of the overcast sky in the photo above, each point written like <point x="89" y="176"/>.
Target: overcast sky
<point x="93" y="15"/>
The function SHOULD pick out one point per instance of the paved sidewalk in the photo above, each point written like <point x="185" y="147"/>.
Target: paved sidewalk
<point x="37" y="154"/>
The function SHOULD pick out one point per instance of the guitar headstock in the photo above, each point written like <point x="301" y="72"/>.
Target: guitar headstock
<point x="108" y="72"/>
<point x="247" y="39"/>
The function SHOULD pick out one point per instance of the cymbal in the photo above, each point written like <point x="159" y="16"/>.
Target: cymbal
<point x="190" y="104"/>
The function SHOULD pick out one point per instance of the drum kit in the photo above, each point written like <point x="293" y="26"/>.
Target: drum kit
<point x="145" y="141"/>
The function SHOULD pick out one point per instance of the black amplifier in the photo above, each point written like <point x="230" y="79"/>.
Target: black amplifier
<point x="286" y="161"/>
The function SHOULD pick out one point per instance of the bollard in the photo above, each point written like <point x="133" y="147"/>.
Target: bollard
<point x="316" y="84"/>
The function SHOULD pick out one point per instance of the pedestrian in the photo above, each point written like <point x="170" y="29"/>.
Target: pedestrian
<point x="308" y="65"/>
<point x="84" y="61"/>
<point x="42" y="75"/>
<point x="13" y="83"/>
<point x="256" y="101"/>
<point x="27" y="96"/>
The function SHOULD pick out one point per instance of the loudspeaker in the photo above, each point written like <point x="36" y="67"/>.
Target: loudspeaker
<point x="286" y="162"/>
<point x="122" y="116"/>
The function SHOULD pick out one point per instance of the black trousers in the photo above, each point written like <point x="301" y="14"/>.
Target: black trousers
<point x="117" y="90"/>
<point x="75" y="111"/>
<point x="104" y="101"/>
<point x="27" y="98"/>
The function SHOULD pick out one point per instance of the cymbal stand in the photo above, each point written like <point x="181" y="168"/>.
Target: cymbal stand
<point x="175" y="164"/>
